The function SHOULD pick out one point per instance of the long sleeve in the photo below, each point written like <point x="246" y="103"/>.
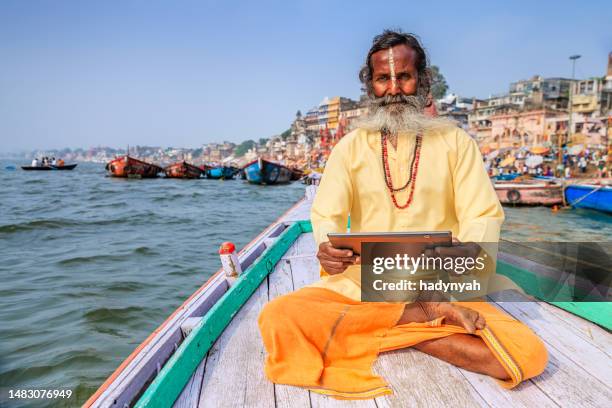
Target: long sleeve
<point x="477" y="207"/>
<point x="332" y="204"/>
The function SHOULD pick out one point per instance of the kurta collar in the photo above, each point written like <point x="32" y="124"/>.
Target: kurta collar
<point x="373" y="138"/>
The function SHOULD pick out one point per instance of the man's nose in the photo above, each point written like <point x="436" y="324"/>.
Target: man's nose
<point x="394" y="88"/>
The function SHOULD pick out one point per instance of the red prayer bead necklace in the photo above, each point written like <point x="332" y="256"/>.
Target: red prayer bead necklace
<point x="414" y="167"/>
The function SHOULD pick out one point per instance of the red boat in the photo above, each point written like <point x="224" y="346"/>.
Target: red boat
<point x="127" y="166"/>
<point x="182" y="170"/>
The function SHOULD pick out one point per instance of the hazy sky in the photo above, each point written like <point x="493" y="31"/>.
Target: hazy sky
<point x="183" y="73"/>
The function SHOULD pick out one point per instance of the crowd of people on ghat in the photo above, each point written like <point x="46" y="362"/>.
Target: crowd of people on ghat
<point x="587" y="163"/>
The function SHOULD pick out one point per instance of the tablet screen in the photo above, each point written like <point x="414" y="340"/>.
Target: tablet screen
<point x="353" y="240"/>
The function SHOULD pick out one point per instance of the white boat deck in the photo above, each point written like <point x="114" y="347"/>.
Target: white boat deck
<point x="232" y="373"/>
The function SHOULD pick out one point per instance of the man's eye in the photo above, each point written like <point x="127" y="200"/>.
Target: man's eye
<point x="404" y="77"/>
<point x="382" y="79"/>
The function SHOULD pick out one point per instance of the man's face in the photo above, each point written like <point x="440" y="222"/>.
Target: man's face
<point x="394" y="71"/>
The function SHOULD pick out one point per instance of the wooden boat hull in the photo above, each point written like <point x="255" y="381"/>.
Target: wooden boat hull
<point x="127" y="167"/>
<point x="226" y="173"/>
<point x="185" y="338"/>
<point x="589" y="196"/>
<point x="263" y="171"/>
<point x="296" y="174"/>
<point x="46" y="168"/>
<point x="182" y="170"/>
<point x="529" y="194"/>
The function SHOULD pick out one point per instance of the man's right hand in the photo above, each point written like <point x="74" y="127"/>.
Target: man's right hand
<point x="335" y="260"/>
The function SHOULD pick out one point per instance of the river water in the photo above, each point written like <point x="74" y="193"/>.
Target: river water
<point x="90" y="265"/>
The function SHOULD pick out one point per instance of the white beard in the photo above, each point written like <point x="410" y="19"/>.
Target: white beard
<point x="405" y="116"/>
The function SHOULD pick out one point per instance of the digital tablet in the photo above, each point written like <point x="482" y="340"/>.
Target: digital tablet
<point x="353" y="240"/>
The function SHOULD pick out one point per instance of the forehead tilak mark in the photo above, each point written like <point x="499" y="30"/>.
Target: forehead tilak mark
<point x="392" y="67"/>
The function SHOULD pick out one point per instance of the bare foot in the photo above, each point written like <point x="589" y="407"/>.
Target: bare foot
<point x="456" y="315"/>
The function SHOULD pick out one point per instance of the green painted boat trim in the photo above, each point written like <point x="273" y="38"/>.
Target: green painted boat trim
<point x="169" y="383"/>
<point x="537" y="286"/>
<point x="305" y="225"/>
<point x="596" y="312"/>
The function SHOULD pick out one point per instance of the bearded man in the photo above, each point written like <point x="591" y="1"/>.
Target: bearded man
<point x="399" y="170"/>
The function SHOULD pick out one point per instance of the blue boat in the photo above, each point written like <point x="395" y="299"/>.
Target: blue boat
<point x="262" y="171"/>
<point x="593" y="196"/>
<point x="221" y="172"/>
<point x="506" y="177"/>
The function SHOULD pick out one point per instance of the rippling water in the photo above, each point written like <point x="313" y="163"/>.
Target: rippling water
<point x="90" y="265"/>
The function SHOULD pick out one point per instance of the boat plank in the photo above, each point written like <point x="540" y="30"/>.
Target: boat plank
<point x="572" y="377"/>
<point x="423" y="381"/>
<point x="564" y="338"/>
<point x="526" y="394"/>
<point x="299" y="213"/>
<point x="280" y="282"/>
<point x="570" y="385"/>
<point x="305" y="271"/>
<point x="191" y="393"/>
<point x="234" y="364"/>
<point x="306" y="245"/>
<point x="323" y="401"/>
<point x="595" y="334"/>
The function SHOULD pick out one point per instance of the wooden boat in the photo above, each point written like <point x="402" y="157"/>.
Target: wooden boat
<point x="529" y="193"/>
<point x="506" y="177"/>
<point x="182" y="170"/>
<point x="127" y="166"/>
<point x="209" y="352"/>
<point x="263" y="171"/>
<point x="296" y="174"/>
<point x="221" y="172"/>
<point x="593" y="196"/>
<point x="50" y="167"/>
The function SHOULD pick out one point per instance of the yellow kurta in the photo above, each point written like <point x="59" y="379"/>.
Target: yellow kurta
<point x="452" y="193"/>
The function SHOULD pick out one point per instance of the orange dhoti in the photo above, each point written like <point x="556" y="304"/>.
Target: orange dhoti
<point x="326" y="342"/>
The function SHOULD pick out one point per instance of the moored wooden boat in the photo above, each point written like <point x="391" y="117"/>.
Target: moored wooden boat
<point x="50" y="167"/>
<point x="529" y="193"/>
<point x="127" y="167"/>
<point x="592" y="196"/>
<point x="506" y="177"/>
<point x="182" y="170"/>
<point x="263" y="171"/>
<point x="296" y="174"/>
<point x="201" y="355"/>
<point x="221" y="172"/>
